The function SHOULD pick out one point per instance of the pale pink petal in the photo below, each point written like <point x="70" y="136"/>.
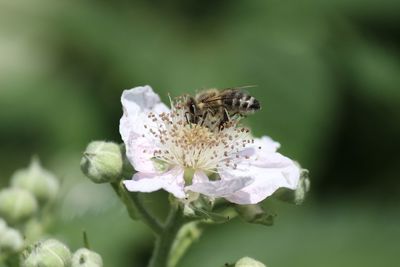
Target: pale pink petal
<point x="199" y="177"/>
<point x="268" y="169"/>
<point x="171" y="181"/>
<point x="264" y="185"/>
<point x="263" y="145"/>
<point x="136" y="105"/>
<point x="140" y="154"/>
<point x="140" y="145"/>
<point x="220" y="188"/>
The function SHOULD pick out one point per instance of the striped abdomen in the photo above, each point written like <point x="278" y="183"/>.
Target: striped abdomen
<point x="238" y="101"/>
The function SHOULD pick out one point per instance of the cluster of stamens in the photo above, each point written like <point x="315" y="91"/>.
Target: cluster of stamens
<point x="196" y="146"/>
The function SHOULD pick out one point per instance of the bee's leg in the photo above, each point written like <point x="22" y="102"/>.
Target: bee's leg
<point x="224" y="120"/>
<point x="187" y="118"/>
<point x="203" y="117"/>
<point x="235" y="114"/>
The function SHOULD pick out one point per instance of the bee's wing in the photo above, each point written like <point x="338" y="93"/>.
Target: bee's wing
<point x="226" y="94"/>
<point x="243" y="88"/>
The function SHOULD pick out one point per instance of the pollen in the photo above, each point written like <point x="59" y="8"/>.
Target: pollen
<point x="196" y="146"/>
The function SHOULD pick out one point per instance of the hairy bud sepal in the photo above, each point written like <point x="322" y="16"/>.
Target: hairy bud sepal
<point x="17" y="205"/>
<point x="249" y="262"/>
<point x="40" y="182"/>
<point x="49" y="253"/>
<point x="103" y="162"/>
<point x="86" y="258"/>
<point x="204" y="208"/>
<point x="11" y="240"/>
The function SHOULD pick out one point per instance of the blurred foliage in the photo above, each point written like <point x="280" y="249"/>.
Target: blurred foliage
<point x="328" y="76"/>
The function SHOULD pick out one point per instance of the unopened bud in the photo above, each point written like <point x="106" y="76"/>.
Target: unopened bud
<point x="86" y="258"/>
<point x="103" y="162"/>
<point x="42" y="183"/>
<point x="11" y="240"/>
<point x="17" y="205"/>
<point x="49" y="253"/>
<point x="248" y="262"/>
<point x="33" y="230"/>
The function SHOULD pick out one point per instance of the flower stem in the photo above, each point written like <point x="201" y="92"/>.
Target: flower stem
<point x="189" y="233"/>
<point x="136" y="208"/>
<point x="146" y="216"/>
<point x="165" y="241"/>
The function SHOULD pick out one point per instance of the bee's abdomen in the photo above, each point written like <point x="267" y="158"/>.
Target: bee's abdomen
<point x="242" y="102"/>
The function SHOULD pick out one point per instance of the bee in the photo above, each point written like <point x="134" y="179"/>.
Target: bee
<point x="215" y="108"/>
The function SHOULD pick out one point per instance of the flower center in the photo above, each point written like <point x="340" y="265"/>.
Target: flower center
<point x="196" y="146"/>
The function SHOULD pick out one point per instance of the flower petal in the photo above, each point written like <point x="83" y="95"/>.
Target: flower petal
<point x="268" y="169"/>
<point x="171" y="181"/>
<point x="220" y="188"/>
<point x="137" y="103"/>
<point x="199" y="177"/>
<point x="263" y="186"/>
<point x="140" y="154"/>
<point x="261" y="146"/>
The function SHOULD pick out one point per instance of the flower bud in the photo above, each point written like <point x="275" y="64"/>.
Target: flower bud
<point x="86" y="258"/>
<point x="248" y="262"/>
<point x="11" y="240"/>
<point x="17" y="205"/>
<point x="49" y="253"/>
<point x="42" y="183"/>
<point x="33" y="230"/>
<point x="103" y="162"/>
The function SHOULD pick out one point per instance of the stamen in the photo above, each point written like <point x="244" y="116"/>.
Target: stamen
<point x="203" y="146"/>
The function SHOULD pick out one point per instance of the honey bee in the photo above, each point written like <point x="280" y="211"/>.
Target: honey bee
<point x="215" y="108"/>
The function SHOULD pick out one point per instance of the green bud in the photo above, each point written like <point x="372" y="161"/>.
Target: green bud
<point x="49" y="253"/>
<point x="248" y="262"/>
<point x="103" y="162"/>
<point x="17" y="205"/>
<point x="255" y="214"/>
<point x="42" y="183"/>
<point x="33" y="230"/>
<point x="11" y="240"/>
<point x="86" y="258"/>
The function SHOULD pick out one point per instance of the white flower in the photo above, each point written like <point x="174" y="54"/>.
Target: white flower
<point x="172" y="154"/>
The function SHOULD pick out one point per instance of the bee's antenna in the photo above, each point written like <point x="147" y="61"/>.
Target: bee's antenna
<point x="248" y="86"/>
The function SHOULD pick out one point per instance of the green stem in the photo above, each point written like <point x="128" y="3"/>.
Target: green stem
<point x="148" y="218"/>
<point x="189" y="233"/>
<point x="136" y="208"/>
<point x="164" y="242"/>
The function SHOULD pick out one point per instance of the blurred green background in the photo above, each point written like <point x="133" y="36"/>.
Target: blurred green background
<point x="328" y="76"/>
